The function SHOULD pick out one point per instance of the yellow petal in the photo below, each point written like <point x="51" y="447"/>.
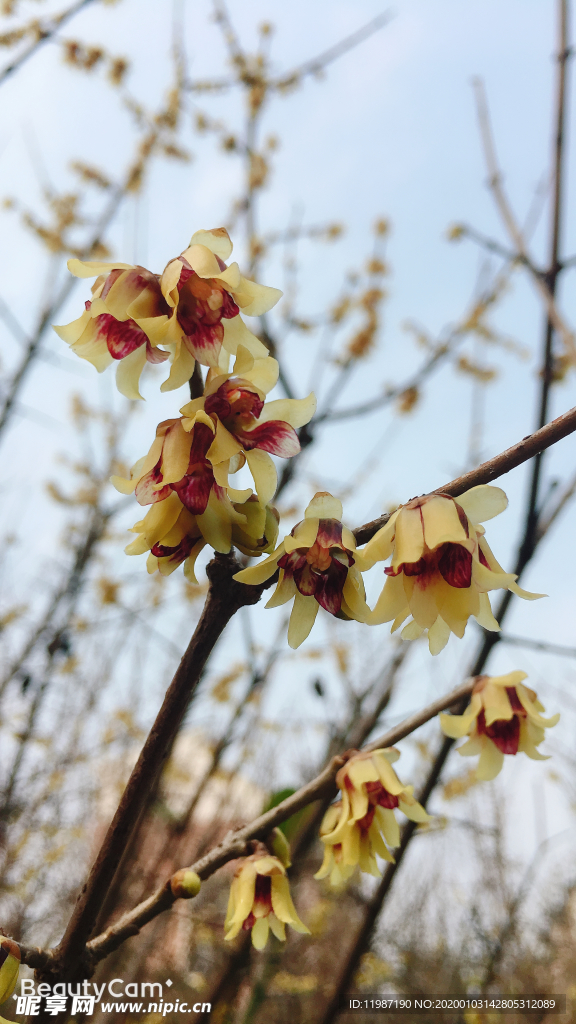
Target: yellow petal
<point x="303" y="535"/>
<point x="264" y="376"/>
<point x="244" y="362"/>
<point x="484" y="616"/>
<point x="526" y="595"/>
<point x="295" y="411"/>
<point x="456" y="726"/>
<point x="217" y="240"/>
<point x="355" y="596"/>
<point x="441" y="523"/>
<point x="284" y="591"/>
<point x="87" y="268"/>
<point x="490" y="763"/>
<point x="391" y="602"/>
<point x="483" y="502"/>
<point x="128" y="373"/>
<point x="72" y="332"/>
<point x="409" y="540"/>
<point x="175" y="454"/>
<point x="224" y="446"/>
<point x="236" y="333"/>
<point x="283" y="906"/>
<point x="302" y="619"/>
<point x="181" y="370"/>
<point x="324" y="506"/>
<point x="438" y="636"/>
<point x="260" y="932"/>
<point x="255" y="299"/>
<point x="257" y="574"/>
<point x="263" y="473"/>
<point x="496" y="703"/>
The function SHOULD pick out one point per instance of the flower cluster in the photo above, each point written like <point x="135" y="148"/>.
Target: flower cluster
<point x="192" y="309"/>
<point x="503" y="717"/>
<point x="441" y="567"/>
<point x="362" y="825"/>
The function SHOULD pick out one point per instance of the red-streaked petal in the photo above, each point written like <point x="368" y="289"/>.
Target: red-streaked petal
<point x="155" y="355"/>
<point x="122" y="336"/>
<point x="194" y="488"/>
<point x="505" y="734"/>
<point x="112" y="277"/>
<point x="204" y="343"/>
<point x="145" y="493"/>
<point x="177" y="553"/>
<point x="329" y="587"/>
<point x="305" y="579"/>
<point x="455" y="565"/>
<point x="329" y="533"/>
<point x="275" y="437"/>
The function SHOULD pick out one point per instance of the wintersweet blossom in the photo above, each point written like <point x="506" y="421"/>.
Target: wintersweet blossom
<point x="9" y="967"/>
<point x="248" y="429"/>
<point x="192" y="309"/>
<point x="442" y="567"/>
<point x="172" y="535"/>
<point x="316" y="562"/>
<point x="503" y="717"/>
<point x="362" y="825"/>
<point x="125" y="320"/>
<point x="260" y="900"/>
<point x="206" y="298"/>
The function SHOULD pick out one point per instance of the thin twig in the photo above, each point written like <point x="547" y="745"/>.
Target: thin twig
<point x="43" y="33"/>
<point x="501" y="464"/>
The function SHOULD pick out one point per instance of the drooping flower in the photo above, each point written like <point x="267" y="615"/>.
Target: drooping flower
<point x="362" y="824"/>
<point x="206" y="298"/>
<point x="246" y="428"/>
<point x="442" y="567"/>
<point x="10" y="958"/>
<point x="260" y="900"/>
<point x="503" y="717"/>
<point x="316" y="562"/>
<point x="179" y="462"/>
<point x="125" y="320"/>
<point x="174" y="536"/>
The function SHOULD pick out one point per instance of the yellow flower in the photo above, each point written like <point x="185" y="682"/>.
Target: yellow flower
<point x="9" y="968"/>
<point x="192" y="309"/>
<point x="206" y="297"/>
<point x="125" y="320"/>
<point x="362" y="824"/>
<point x="174" y="536"/>
<point x="248" y="430"/>
<point x="503" y="717"/>
<point x="260" y="900"/>
<point x="316" y="562"/>
<point x="442" y="567"/>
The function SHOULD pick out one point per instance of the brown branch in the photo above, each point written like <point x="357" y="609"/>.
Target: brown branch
<point x="224" y="598"/>
<point x="235" y="844"/>
<point x="521" y="452"/>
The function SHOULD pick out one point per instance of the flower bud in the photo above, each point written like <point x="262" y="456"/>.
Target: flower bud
<point x="185" y="884"/>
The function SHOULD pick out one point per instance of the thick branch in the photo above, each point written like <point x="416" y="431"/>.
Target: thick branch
<point x="224" y="598"/>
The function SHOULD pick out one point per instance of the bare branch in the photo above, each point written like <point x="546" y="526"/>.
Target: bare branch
<point x="541" y="280"/>
<point x="521" y="452"/>
<point x="317" y="64"/>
